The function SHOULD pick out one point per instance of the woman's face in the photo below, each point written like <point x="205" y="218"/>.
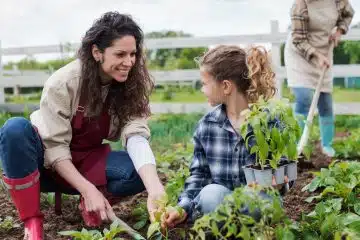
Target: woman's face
<point x="118" y="59"/>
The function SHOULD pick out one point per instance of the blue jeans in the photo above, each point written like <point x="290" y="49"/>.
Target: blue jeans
<point x="303" y="99"/>
<point x="212" y="195"/>
<point x="21" y="153"/>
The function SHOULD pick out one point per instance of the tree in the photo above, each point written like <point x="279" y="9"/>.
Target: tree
<point x="353" y="48"/>
<point x="176" y="58"/>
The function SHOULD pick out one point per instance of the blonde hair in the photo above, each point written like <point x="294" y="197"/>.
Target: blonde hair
<point x="250" y="70"/>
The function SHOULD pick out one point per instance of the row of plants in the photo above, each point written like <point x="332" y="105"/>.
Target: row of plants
<point x="246" y="215"/>
<point x="335" y="216"/>
<point x="272" y="144"/>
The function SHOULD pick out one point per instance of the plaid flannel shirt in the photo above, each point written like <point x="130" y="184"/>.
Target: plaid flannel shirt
<point x="300" y="19"/>
<point x="219" y="154"/>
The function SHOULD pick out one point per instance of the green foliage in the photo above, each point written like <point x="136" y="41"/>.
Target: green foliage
<point x="96" y="234"/>
<point x="353" y="49"/>
<point x="141" y="216"/>
<point x="272" y="143"/>
<point x="32" y="64"/>
<point x="349" y="148"/>
<point x="7" y="224"/>
<point x="170" y="129"/>
<point x="340" y="181"/>
<point x="265" y="219"/>
<point x="154" y="230"/>
<point x="327" y="222"/>
<point x="170" y="59"/>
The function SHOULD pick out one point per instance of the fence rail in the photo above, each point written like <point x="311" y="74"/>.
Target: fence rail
<point x="17" y="79"/>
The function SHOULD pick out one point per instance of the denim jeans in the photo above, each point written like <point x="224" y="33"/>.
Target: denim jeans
<point x="303" y="99"/>
<point x="21" y="153"/>
<point x="212" y="195"/>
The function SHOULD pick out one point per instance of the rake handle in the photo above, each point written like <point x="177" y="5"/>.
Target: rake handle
<point x="315" y="99"/>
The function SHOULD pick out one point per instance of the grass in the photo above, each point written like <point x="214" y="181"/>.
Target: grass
<point x="339" y="94"/>
<point x="168" y="130"/>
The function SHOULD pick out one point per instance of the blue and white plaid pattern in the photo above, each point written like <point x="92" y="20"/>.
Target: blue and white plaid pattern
<point x="219" y="154"/>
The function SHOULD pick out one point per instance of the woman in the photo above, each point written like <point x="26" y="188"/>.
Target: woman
<point x="314" y="24"/>
<point x="104" y="94"/>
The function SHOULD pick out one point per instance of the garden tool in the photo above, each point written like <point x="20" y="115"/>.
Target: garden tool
<point x="305" y="135"/>
<point x="136" y="235"/>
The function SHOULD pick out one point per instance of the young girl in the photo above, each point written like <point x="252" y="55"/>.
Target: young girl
<point x="232" y="79"/>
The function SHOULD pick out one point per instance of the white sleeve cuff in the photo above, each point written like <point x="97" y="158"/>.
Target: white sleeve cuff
<point x="139" y="151"/>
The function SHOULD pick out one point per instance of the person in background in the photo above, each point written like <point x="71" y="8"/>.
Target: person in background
<point x="314" y="24"/>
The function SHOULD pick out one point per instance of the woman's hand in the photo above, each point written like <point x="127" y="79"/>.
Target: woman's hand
<point x="336" y="37"/>
<point x="96" y="202"/>
<point x="321" y="60"/>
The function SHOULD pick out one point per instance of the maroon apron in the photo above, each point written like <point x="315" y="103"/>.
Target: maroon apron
<point x="88" y="152"/>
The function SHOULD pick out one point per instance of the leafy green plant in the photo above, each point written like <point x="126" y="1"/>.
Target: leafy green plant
<point x="327" y="222"/>
<point x="272" y="143"/>
<point x="7" y="223"/>
<point x="154" y="230"/>
<point x="341" y="181"/>
<point x="349" y="148"/>
<point x="141" y="216"/>
<point x="265" y="218"/>
<point x="84" y="234"/>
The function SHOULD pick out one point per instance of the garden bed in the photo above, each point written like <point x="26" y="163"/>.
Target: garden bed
<point x="71" y="220"/>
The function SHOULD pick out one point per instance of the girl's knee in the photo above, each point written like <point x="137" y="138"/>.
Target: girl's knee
<point x="211" y="196"/>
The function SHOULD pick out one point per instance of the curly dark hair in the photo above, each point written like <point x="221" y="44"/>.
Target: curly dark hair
<point x="127" y="99"/>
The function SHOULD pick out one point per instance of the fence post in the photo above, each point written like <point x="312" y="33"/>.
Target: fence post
<point x="2" y="91"/>
<point x="16" y="89"/>
<point x="276" y="56"/>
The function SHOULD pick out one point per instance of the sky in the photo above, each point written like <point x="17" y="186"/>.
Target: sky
<point x="45" y="22"/>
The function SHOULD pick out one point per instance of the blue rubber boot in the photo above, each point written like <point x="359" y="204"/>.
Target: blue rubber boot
<point x="327" y="131"/>
<point x="301" y="119"/>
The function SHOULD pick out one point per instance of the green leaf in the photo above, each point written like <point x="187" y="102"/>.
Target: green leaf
<point x="202" y="235"/>
<point x="312" y="186"/>
<point x="138" y="211"/>
<point x="140" y="224"/>
<point x="245" y="233"/>
<point x="292" y="150"/>
<point x="254" y="149"/>
<point x="328" y="190"/>
<point x="71" y="233"/>
<point x="214" y="228"/>
<point x="350" y="218"/>
<point x="310" y="199"/>
<point x="357" y="208"/>
<point x="153" y="228"/>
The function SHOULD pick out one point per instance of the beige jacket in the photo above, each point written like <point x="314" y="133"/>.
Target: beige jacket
<point x="313" y="21"/>
<point x="58" y="104"/>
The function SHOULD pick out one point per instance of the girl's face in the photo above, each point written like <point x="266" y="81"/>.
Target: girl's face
<point x="212" y="89"/>
<point x="118" y="59"/>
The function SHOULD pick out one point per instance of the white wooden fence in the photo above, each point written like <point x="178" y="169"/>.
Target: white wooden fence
<point x="15" y="79"/>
